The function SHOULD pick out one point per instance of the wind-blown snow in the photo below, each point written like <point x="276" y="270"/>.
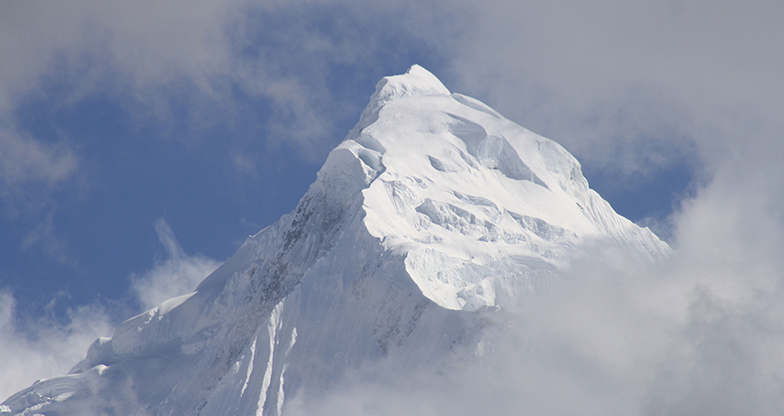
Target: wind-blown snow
<point x="435" y="213"/>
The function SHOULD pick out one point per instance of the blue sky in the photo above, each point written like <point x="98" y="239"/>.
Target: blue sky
<point x="140" y="144"/>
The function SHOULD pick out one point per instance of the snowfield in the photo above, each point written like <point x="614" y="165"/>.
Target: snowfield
<point x="433" y="219"/>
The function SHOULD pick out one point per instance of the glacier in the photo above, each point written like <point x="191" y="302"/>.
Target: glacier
<point x="435" y="215"/>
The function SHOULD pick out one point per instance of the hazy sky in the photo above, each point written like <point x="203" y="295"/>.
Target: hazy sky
<point x="140" y="143"/>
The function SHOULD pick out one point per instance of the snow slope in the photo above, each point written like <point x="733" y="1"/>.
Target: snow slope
<point x="433" y="213"/>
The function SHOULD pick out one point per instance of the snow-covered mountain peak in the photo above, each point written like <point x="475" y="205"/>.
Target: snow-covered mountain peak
<point x="434" y="203"/>
<point x="461" y="192"/>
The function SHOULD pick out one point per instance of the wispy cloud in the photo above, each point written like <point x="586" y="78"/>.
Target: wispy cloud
<point x="24" y="159"/>
<point x="31" y="172"/>
<point x="175" y="275"/>
<point x="44" y="237"/>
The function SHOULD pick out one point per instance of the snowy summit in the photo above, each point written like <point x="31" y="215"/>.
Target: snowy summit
<point x="434" y="212"/>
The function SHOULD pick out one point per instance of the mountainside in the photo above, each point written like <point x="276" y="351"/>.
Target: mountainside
<point x="434" y="214"/>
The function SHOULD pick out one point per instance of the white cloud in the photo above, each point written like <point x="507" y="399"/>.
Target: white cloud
<point x="151" y="45"/>
<point x="31" y="349"/>
<point x="176" y="275"/>
<point x="34" y="348"/>
<point x="630" y="86"/>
